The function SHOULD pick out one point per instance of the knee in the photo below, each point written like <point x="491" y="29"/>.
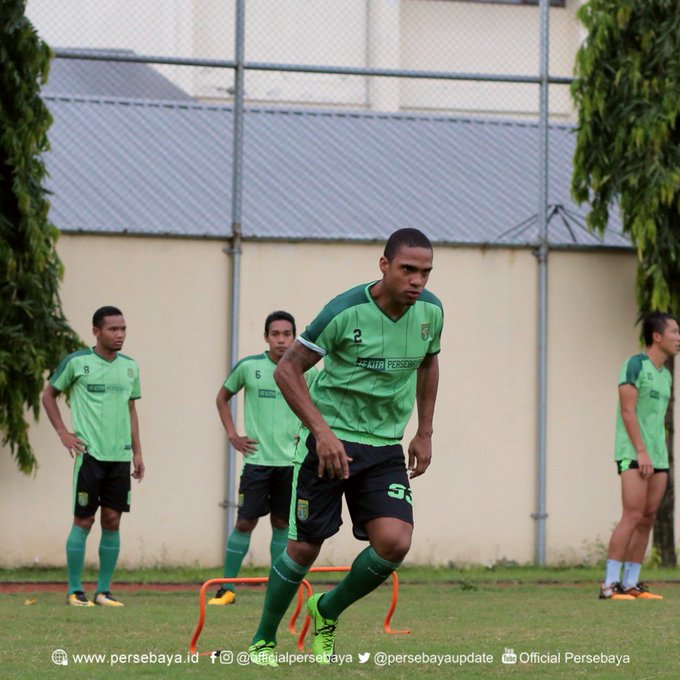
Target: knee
<point x="633" y="517"/>
<point x="303" y="553"/>
<point x="245" y="526"/>
<point x="110" y="519"/>
<point x="84" y="522"/>
<point x="394" y="548"/>
<point x="647" y="519"/>
<point x="279" y="522"/>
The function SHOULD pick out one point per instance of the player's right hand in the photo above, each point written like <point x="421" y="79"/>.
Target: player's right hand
<point x="74" y="445"/>
<point x="245" y="445"/>
<point x="645" y="464"/>
<point x="333" y="461"/>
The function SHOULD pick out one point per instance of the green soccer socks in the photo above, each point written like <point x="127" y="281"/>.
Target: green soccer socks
<point x="368" y="571"/>
<point x="237" y="549"/>
<point x="75" y="557"/>
<point x="109" y="547"/>
<point x="284" y="580"/>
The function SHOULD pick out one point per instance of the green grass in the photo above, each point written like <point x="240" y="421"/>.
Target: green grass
<point x="472" y="616"/>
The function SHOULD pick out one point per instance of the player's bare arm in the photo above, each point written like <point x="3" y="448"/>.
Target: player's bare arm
<point x="137" y="461"/>
<point x="241" y="443"/>
<point x="289" y="376"/>
<point x="427" y="383"/>
<point x="628" y="395"/>
<point x="73" y="444"/>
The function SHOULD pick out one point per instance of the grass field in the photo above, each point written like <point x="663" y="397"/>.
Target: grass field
<point x="551" y="613"/>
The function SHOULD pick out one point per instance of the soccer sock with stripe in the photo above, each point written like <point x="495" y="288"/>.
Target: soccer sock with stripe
<point x="284" y="580"/>
<point x="631" y="574"/>
<point x="368" y="571"/>
<point x="613" y="572"/>
<point x="109" y="548"/>
<point x="278" y="543"/>
<point x="75" y="557"/>
<point x="237" y="549"/>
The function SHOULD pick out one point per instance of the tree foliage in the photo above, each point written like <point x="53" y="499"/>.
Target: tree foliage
<point x="627" y="90"/>
<point x="34" y="333"/>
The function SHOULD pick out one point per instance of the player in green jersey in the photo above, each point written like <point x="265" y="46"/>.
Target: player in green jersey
<point x="379" y="342"/>
<point x="103" y="385"/>
<point x="641" y="455"/>
<point x="268" y="447"/>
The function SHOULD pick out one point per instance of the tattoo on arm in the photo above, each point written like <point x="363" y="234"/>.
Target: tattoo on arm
<point x="302" y="357"/>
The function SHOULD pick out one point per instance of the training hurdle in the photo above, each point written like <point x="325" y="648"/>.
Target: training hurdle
<point x="303" y="633"/>
<point x="304" y="585"/>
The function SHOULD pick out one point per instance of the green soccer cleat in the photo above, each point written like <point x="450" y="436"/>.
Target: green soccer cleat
<point x="78" y="599"/>
<point x="263" y="653"/>
<point x="223" y="597"/>
<point x="106" y="599"/>
<point x="324" y="632"/>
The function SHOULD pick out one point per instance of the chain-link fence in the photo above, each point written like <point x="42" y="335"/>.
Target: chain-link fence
<point x="486" y="55"/>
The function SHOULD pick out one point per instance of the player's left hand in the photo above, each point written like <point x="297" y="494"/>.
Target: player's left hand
<point x="138" y="463"/>
<point x="419" y="455"/>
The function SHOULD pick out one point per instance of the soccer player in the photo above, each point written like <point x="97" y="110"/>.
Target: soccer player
<point x="102" y="385"/>
<point x="268" y="447"/>
<point x="379" y="342"/>
<point x="641" y="455"/>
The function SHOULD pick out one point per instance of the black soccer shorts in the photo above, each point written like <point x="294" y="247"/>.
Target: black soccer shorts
<point x="100" y="483"/>
<point x="630" y="464"/>
<point x="264" y="489"/>
<point x="378" y="486"/>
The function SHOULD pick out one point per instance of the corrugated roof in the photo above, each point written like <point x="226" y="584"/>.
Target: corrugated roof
<point x="165" y="168"/>
<point x="110" y="78"/>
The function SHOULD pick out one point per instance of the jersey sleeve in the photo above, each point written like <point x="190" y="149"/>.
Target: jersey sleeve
<point x="436" y="342"/>
<point x="630" y="371"/>
<point x="63" y="376"/>
<point x="136" y="386"/>
<point x="236" y="379"/>
<point x="320" y="336"/>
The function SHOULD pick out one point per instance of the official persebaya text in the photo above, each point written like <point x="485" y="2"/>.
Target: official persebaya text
<point x="389" y="364"/>
<point x="573" y="658"/>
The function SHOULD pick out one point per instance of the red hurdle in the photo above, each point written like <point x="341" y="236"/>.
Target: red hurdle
<point x="214" y="581"/>
<point x="304" y="586"/>
<point x="305" y="627"/>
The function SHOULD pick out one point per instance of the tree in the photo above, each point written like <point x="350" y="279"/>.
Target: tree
<point x="34" y="333"/>
<point x="627" y="90"/>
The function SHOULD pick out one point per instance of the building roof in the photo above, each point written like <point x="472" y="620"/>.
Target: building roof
<point x="109" y="78"/>
<point x="164" y="168"/>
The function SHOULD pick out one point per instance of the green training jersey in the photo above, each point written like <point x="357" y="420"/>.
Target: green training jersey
<point x="367" y="387"/>
<point x="100" y="391"/>
<point x="268" y="418"/>
<point x="654" y="392"/>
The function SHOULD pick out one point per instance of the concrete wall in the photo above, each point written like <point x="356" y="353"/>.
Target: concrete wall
<point x="475" y="502"/>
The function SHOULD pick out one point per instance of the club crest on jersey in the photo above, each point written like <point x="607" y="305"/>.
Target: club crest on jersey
<point x="302" y="509"/>
<point x="82" y="498"/>
<point x="131" y="373"/>
<point x="425" y="331"/>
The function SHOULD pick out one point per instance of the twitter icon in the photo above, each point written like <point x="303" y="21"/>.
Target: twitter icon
<point x="363" y="658"/>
